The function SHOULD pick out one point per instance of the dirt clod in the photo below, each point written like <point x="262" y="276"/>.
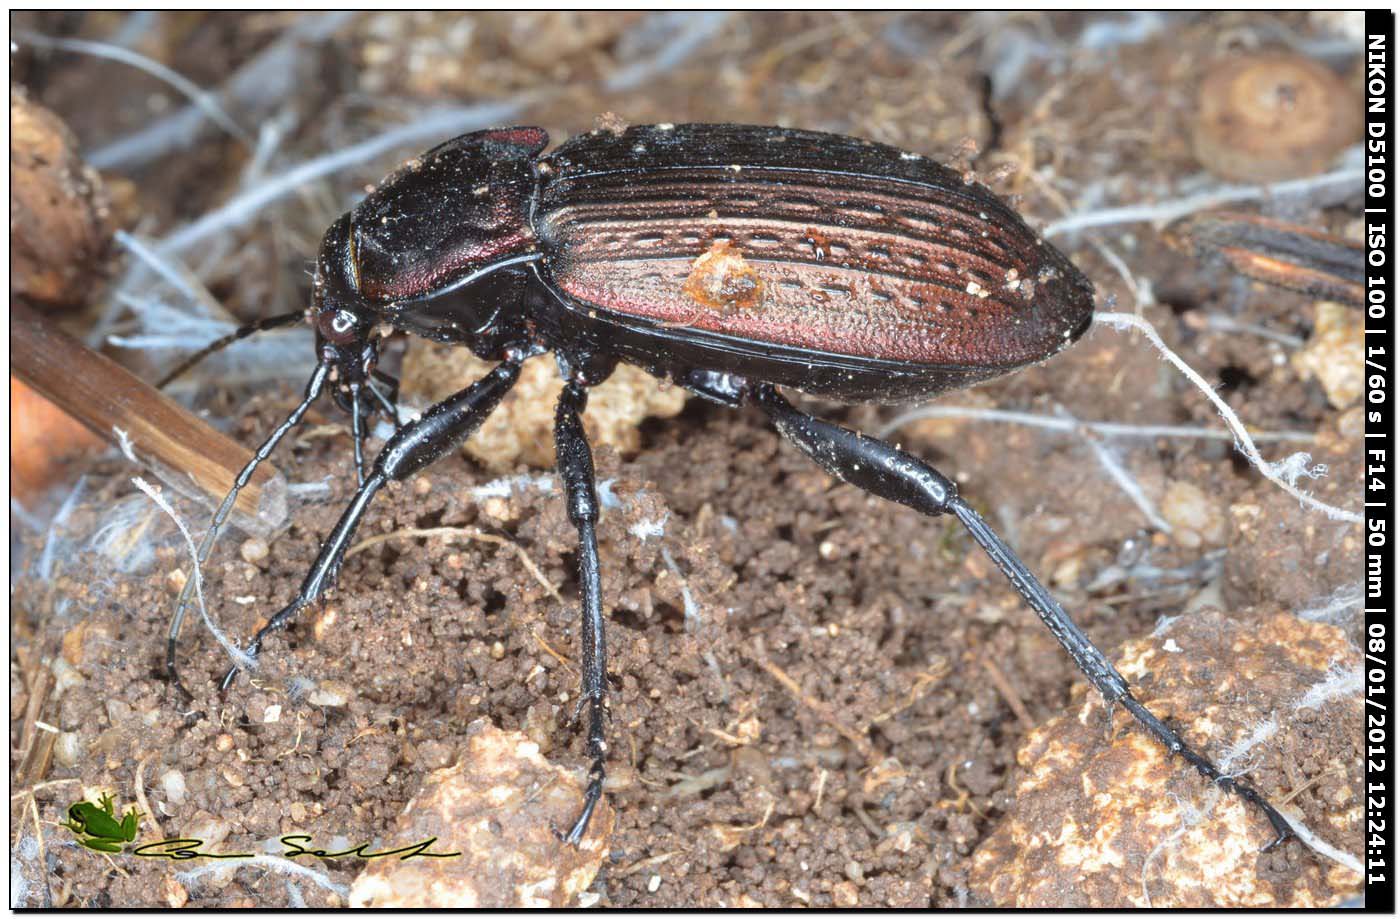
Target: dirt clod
<point x="499" y="806"/>
<point x="1335" y="354"/>
<point x="1273" y="116"/>
<point x="523" y="429"/>
<point x="60" y="216"/>
<point x="1103" y="817"/>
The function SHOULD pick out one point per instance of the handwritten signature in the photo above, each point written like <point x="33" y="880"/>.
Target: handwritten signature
<point x="295" y="844"/>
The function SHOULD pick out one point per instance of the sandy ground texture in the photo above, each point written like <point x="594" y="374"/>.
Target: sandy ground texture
<point x="817" y="698"/>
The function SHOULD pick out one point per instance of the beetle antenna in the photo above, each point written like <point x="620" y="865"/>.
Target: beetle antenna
<point x="261" y="325"/>
<point x="314" y="386"/>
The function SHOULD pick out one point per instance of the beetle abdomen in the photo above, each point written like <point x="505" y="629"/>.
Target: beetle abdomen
<point x="812" y="241"/>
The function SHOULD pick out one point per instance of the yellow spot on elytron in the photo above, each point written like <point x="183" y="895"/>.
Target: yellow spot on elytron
<point x="720" y="279"/>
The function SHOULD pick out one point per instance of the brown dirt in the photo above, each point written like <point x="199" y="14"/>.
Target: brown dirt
<point x="840" y="721"/>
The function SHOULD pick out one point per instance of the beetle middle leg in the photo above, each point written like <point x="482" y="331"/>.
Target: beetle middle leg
<point x="888" y="472"/>
<point x="574" y="459"/>
<point x="388" y="402"/>
<point x="439" y="431"/>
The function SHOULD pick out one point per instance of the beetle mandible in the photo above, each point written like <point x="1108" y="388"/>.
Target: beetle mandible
<point x="729" y="259"/>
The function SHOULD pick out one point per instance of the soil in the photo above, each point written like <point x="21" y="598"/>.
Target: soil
<point x="817" y="698"/>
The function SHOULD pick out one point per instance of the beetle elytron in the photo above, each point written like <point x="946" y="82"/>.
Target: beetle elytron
<point x="729" y="259"/>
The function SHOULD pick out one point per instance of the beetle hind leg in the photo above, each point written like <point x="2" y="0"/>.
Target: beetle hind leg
<point x="575" y="464"/>
<point x="888" y="472"/>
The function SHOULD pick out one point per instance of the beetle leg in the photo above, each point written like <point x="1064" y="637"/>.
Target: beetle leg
<point x="388" y="403"/>
<point x="575" y="463"/>
<point x="357" y="433"/>
<point x="888" y="472"/>
<point x="439" y="431"/>
<point x="313" y="391"/>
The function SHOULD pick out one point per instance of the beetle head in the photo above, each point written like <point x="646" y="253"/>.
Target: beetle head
<point x="344" y="322"/>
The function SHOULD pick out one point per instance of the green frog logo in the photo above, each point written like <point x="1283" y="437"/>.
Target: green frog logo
<point x="97" y="826"/>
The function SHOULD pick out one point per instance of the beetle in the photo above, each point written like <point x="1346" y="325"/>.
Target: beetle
<point x="729" y="259"/>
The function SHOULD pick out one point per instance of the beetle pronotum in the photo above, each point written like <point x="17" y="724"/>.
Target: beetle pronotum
<point x="729" y="259"/>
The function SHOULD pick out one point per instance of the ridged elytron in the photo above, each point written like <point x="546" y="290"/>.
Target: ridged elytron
<point x="729" y="259"/>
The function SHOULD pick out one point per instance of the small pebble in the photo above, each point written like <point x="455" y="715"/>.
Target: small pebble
<point x="176" y="896"/>
<point x="175" y="581"/>
<point x="1196" y="519"/>
<point x="68" y="749"/>
<point x="329" y="694"/>
<point x="172" y="783"/>
<point x="253" y="550"/>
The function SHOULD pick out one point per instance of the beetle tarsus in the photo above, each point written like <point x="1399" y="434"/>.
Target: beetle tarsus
<point x="279" y="621"/>
<point x="888" y="472"/>
<point x="591" y="796"/>
<point x="1174" y="743"/>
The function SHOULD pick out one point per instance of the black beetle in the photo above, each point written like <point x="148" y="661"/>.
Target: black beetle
<point x="730" y="259"/>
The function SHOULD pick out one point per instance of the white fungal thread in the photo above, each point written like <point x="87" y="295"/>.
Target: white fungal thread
<point x="243" y="660"/>
<point x="692" y="609"/>
<point x="1075" y="426"/>
<point x="650" y="529"/>
<point x="204" y="100"/>
<point x="51" y="539"/>
<point x="504" y="488"/>
<point x="1346" y="178"/>
<point x="1285" y="473"/>
<point x="276" y="863"/>
<point x="1121" y="477"/>
<point x="124" y="444"/>
<point x="1335" y="607"/>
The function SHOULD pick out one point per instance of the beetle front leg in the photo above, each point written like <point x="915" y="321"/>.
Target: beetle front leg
<point x="575" y="463"/>
<point x="888" y="472"/>
<point x="313" y="392"/>
<point x="439" y="431"/>
<point x="357" y="433"/>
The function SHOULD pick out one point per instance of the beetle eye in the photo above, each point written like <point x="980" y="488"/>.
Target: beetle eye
<point x="338" y="327"/>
